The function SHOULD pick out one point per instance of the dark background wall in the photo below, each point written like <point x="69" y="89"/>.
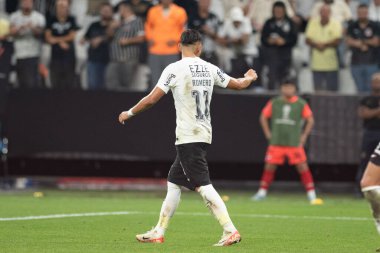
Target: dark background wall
<point x="77" y="133"/>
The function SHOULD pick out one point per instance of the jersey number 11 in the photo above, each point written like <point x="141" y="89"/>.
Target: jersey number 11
<point x="197" y="95"/>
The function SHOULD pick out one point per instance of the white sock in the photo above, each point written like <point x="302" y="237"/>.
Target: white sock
<point x="168" y="208"/>
<point x="372" y="194"/>
<point x="262" y="192"/>
<point x="216" y="205"/>
<point x="311" y="195"/>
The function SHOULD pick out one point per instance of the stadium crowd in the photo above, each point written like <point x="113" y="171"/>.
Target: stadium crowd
<point x="330" y="45"/>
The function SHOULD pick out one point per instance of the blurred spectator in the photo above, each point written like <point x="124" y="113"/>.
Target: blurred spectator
<point x="235" y="36"/>
<point x="339" y="10"/>
<point x="260" y="11"/>
<point x="369" y="112"/>
<point x="163" y="28"/>
<point x="98" y="51"/>
<point x="26" y="29"/>
<point x="303" y="7"/>
<point x="374" y="10"/>
<point x="190" y="6"/>
<point x="228" y="5"/>
<point x="140" y="7"/>
<point x="208" y="24"/>
<point x="323" y="35"/>
<point x="363" y="39"/>
<point x="279" y="36"/>
<point x="127" y="35"/>
<point x="60" y="34"/>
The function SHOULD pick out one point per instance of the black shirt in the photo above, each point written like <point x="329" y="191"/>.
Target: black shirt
<point x="371" y="102"/>
<point x="59" y="29"/>
<point x="285" y="29"/>
<point x="100" y="53"/>
<point x="356" y="32"/>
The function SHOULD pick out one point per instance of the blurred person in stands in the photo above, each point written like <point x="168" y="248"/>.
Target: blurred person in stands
<point x="363" y="40"/>
<point x="323" y="35"/>
<point x="98" y="51"/>
<point x="259" y="11"/>
<point x="282" y="122"/>
<point x="208" y="24"/>
<point x="369" y="112"/>
<point x="374" y="11"/>
<point x="190" y="6"/>
<point x="26" y="29"/>
<point x="278" y="37"/>
<point x="164" y="25"/>
<point x="140" y="7"/>
<point x="235" y="37"/>
<point x="127" y="35"/>
<point x="340" y="10"/>
<point x="60" y="34"/>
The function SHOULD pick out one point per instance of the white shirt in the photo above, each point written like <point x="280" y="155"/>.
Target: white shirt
<point x="191" y="81"/>
<point x="230" y="31"/>
<point x="26" y="44"/>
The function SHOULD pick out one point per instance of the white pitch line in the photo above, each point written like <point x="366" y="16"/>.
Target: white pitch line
<point x="265" y="216"/>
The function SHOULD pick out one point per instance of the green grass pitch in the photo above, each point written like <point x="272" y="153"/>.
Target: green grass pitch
<point x="283" y="223"/>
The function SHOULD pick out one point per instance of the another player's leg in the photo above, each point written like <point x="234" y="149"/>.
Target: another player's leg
<point x="308" y="182"/>
<point x="265" y="182"/>
<point x="170" y="204"/>
<point x="217" y="207"/>
<point x="371" y="189"/>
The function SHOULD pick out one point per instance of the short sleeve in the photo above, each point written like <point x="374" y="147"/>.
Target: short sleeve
<point x="42" y="21"/>
<point x="267" y="111"/>
<point x="338" y="30"/>
<point x="74" y="25"/>
<point x="306" y="112"/>
<point x="168" y="79"/>
<point x="221" y="79"/>
<point x="88" y="34"/>
<point x="247" y="27"/>
<point x="140" y="28"/>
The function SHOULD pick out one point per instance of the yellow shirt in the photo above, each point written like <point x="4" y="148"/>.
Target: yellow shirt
<point x="326" y="60"/>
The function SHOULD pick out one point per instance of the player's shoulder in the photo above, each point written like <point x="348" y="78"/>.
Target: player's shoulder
<point x="301" y="100"/>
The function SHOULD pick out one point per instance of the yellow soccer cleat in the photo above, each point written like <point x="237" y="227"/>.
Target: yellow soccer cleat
<point x="316" y="202"/>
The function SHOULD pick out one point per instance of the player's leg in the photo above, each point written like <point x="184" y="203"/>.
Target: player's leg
<point x="308" y="182"/>
<point x="194" y="164"/>
<point x="371" y="188"/>
<point x="265" y="182"/>
<point x="274" y="157"/>
<point x="170" y="204"/>
<point x="297" y="157"/>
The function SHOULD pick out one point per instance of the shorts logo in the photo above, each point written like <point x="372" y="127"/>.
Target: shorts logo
<point x="220" y="74"/>
<point x="169" y="79"/>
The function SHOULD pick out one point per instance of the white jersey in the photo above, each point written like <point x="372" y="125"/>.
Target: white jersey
<point x="191" y="81"/>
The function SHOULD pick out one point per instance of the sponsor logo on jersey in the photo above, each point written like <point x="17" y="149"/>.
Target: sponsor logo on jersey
<point x="169" y="79"/>
<point x="221" y="75"/>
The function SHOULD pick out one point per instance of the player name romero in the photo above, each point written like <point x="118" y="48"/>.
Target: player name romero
<point x="204" y="83"/>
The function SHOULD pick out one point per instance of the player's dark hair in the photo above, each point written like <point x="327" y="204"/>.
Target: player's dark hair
<point x="289" y="81"/>
<point x="360" y="6"/>
<point x="190" y="37"/>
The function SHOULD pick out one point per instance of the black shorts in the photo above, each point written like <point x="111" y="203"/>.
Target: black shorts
<point x="375" y="157"/>
<point x="190" y="168"/>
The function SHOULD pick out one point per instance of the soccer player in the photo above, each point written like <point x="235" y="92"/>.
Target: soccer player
<point x="287" y="137"/>
<point x="191" y="81"/>
<point x="370" y="185"/>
